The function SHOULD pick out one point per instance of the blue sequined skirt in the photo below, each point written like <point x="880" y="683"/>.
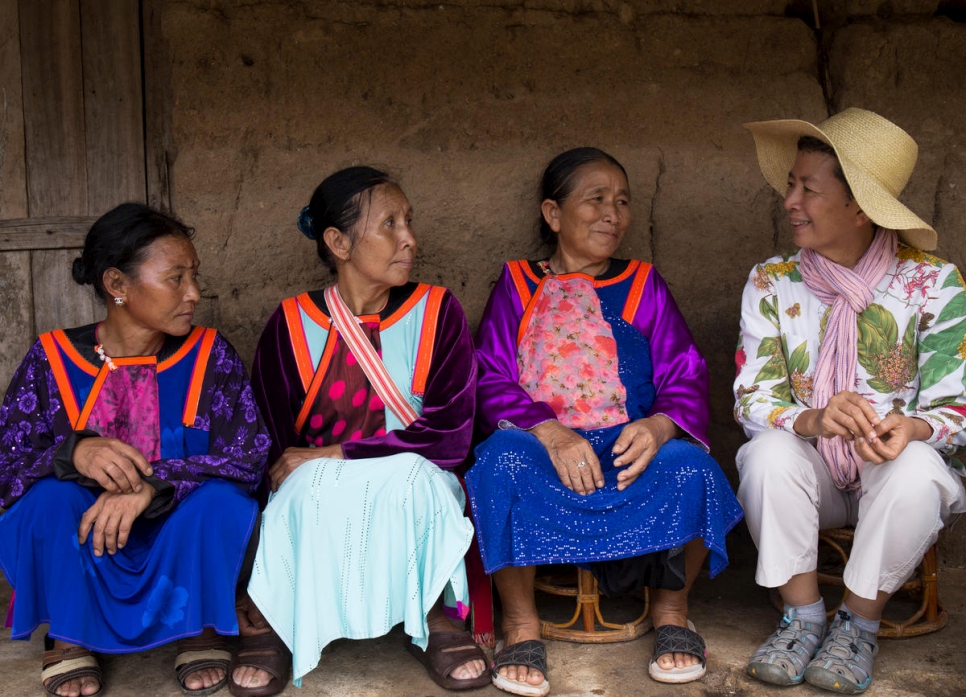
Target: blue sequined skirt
<point x="175" y="576"/>
<point x="525" y="516"/>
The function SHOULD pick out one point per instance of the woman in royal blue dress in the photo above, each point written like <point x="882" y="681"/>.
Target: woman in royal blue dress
<point x="595" y="400"/>
<point x="130" y="451"/>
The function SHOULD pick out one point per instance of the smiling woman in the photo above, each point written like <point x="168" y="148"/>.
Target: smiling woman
<point x="595" y="400"/>
<point x="130" y="450"/>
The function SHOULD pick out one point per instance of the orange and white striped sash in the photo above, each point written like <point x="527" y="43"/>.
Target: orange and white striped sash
<point x="369" y="360"/>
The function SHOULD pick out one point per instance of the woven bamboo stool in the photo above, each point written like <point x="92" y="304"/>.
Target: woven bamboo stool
<point x="930" y="616"/>
<point x="593" y="629"/>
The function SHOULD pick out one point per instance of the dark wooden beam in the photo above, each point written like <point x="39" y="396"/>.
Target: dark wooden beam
<point x="65" y="232"/>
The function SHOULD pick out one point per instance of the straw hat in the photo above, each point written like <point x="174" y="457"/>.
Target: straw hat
<point x="877" y="158"/>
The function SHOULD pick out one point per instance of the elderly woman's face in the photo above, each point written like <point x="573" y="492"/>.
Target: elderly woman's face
<point x="162" y="293"/>
<point x="384" y="245"/>
<point x="591" y="222"/>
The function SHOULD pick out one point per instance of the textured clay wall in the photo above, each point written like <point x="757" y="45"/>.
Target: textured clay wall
<point x="466" y="101"/>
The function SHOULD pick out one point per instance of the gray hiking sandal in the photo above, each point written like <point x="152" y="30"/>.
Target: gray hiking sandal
<point x="782" y="659"/>
<point x="844" y="663"/>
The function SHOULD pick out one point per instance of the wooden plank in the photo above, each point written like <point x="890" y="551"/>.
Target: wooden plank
<point x="16" y="314"/>
<point x="158" y="103"/>
<point x="113" y="109"/>
<point x="58" y="301"/>
<point x="13" y="178"/>
<point x="44" y="233"/>
<point x="53" y="107"/>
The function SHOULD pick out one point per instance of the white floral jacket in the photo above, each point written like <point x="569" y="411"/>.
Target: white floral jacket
<point x="911" y="347"/>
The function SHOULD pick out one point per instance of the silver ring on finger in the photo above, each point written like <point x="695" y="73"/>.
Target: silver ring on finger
<point x="582" y="463"/>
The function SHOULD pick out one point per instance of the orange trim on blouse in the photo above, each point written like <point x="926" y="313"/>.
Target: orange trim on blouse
<point x="517" y="270"/>
<point x="427" y="339"/>
<point x="408" y="305"/>
<point x="316" y="384"/>
<point x="197" y="377"/>
<point x="49" y="341"/>
<point x="185" y="348"/>
<point x="631" y="269"/>
<point x="296" y="332"/>
<point x="637" y="291"/>
<point x="99" y="383"/>
<point x="68" y="348"/>
<point x="528" y="312"/>
<point x="314" y="311"/>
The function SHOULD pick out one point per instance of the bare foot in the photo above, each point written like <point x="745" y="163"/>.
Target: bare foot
<point x="78" y="687"/>
<point x="439" y="622"/>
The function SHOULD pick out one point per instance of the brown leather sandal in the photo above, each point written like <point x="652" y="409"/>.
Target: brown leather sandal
<point x="263" y="652"/>
<point x="198" y="653"/>
<point x="447" y="651"/>
<point x="64" y="665"/>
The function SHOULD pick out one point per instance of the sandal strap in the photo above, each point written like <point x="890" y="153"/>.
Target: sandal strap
<point x="453" y="649"/>
<point x="200" y="653"/>
<point x="63" y="665"/>
<point x="669" y="638"/>
<point x="264" y="652"/>
<point x="190" y="657"/>
<point x="531" y="653"/>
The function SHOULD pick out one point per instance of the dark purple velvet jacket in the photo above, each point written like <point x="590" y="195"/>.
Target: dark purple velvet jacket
<point x="441" y="434"/>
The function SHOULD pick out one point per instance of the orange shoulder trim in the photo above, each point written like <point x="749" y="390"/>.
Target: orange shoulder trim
<point x="300" y="345"/>
<point x="517" y="271"/>
<point x="315" y="384"/>
<point x="49" y="340"/>
<point x="633" y="302"/>
<point x="198" y="377"/>
<point x="427" y="339"/>
<point x="528" y="310"/>
<point x="189" y="344"/>
<point x="404" y="309"/>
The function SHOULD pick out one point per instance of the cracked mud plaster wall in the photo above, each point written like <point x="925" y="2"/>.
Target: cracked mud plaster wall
<point x="465" y="102"/>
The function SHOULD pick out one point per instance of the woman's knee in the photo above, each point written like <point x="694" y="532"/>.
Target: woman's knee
<point x="773" y="456"/>
<point x="917" y="474"/>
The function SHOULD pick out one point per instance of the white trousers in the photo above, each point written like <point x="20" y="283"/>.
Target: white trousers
<point x="788" y="496"/>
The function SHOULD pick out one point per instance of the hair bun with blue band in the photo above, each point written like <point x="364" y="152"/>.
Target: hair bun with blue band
<point x="306" y="224"/>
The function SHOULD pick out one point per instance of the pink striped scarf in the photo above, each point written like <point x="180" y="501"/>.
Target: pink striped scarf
<point x="849" y="292"/>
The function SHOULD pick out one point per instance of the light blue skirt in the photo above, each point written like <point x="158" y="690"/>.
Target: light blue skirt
<point x="351" y="548"/>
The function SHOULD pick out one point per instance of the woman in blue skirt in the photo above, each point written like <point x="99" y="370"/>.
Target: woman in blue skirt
<point x="129" y="451"/>
<point x="595" y="400"/>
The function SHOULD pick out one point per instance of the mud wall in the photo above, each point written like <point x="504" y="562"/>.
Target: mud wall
<point x="465" y="101"/>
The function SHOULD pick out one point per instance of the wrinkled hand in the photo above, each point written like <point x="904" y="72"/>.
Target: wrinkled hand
<point x="250" y="618"/>
<point x="567" y="450"/>
<point x="293" y="458"/>
<point x="113" y="464"/>
<point x="637" y="445"/>
<point x="110" y="519"/>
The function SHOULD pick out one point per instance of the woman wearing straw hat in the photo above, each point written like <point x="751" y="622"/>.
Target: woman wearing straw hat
<point x="851" y="386"/>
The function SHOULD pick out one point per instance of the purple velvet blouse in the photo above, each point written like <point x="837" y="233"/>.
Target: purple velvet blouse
<point x="34" y="428"/>
<point x="680" y="373"/>
<point x="441" y="434"/>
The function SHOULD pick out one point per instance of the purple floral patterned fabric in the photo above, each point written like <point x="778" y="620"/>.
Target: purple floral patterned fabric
<point x="34" y="425"/>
